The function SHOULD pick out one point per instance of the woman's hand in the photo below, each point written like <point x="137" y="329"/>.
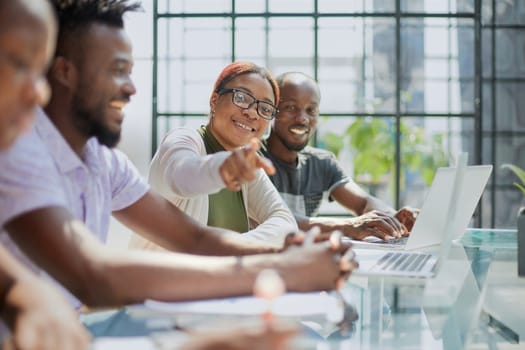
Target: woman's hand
<point x="240" y="167"/>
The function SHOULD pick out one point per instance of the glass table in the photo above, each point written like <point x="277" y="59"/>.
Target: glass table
<point x="472" y="303"/>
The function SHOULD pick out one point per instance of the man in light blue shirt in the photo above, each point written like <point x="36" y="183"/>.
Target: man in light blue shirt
<point x="70" y="180"/>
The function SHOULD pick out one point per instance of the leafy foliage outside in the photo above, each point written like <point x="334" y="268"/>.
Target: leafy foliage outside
<point x="520" y="173"/>
<point x="372" y="143"/>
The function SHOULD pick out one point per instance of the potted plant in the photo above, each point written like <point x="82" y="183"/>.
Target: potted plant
<point x="520" y="173"/>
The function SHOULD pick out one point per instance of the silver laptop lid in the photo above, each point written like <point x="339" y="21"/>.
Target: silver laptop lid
<point x="438" y="209"/>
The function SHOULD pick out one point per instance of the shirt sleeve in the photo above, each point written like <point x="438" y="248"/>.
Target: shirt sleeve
<point x="127" y="186"/>
<point x="29" y="179"/>
<point x="336" y="174"/>
<point x="179" y="168"/>
<point x="267" y="210"/>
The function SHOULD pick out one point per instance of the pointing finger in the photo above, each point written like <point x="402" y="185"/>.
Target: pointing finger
<point x="266" y="165"/>
<point x="251" y="147"/>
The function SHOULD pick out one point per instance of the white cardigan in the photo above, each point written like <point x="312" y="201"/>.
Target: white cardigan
<point x="184" y="174"/>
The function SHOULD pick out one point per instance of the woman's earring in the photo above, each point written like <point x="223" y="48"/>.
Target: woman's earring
<point x="212" y="113"/>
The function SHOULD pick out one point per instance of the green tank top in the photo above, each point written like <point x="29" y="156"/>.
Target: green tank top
<point x="226" y="208"/>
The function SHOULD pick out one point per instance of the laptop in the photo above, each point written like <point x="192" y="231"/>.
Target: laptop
<point x="445" y="215"/>
<point x="427" y="228"/>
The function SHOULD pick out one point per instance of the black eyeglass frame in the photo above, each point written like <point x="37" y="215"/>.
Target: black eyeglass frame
<point x="234" y="91"/>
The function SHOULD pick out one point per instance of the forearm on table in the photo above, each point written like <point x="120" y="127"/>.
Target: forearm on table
<point x="273" y="229"/>
<point x="159" y="221"/>
<point x="220" y="242"/>
<point x="326" y="224"/>
<point x="175" y="277"/>
<point x="374" y="203"/>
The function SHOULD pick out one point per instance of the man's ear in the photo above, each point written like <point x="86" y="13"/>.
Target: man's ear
<point x="63" y="71"/>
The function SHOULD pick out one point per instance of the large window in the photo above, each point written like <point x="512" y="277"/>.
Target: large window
<point x="427" y="78"/>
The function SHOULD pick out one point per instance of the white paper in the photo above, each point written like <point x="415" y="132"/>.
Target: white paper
<point x="290" y="304"/>
<point x="119" y="343"/>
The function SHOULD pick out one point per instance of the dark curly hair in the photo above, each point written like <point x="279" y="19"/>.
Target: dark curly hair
<point x="75" y="13"/>
<point x="75" y="17"/>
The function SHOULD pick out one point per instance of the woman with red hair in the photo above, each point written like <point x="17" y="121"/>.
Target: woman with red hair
<point x="214" y="173"/>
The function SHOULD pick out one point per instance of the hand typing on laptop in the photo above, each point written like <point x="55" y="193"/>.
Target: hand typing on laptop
<point x="376" y="223"/>
<point x="407" y="216"/>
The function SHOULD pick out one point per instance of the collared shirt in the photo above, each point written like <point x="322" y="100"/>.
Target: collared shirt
<point x="41" y="170"/>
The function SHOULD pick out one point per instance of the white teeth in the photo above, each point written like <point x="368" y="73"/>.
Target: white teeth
<point x="117" y="104"/>
<point x="299" y="131"/>
<point x="246" y="127"/>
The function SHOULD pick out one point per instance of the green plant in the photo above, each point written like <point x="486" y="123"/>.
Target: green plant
<point x="520" y="173"/>
<point x="372" y="142"/>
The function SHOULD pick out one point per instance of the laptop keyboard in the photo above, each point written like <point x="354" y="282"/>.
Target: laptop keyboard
<point x="396" y="261"/>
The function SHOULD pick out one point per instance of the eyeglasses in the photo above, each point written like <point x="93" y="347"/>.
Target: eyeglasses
<point x="244" y="100"/>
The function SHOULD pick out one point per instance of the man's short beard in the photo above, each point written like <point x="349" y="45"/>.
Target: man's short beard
<point x="104" y="136"/>
<point x="293" y="146"/>
<point x="85" y="121"/>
